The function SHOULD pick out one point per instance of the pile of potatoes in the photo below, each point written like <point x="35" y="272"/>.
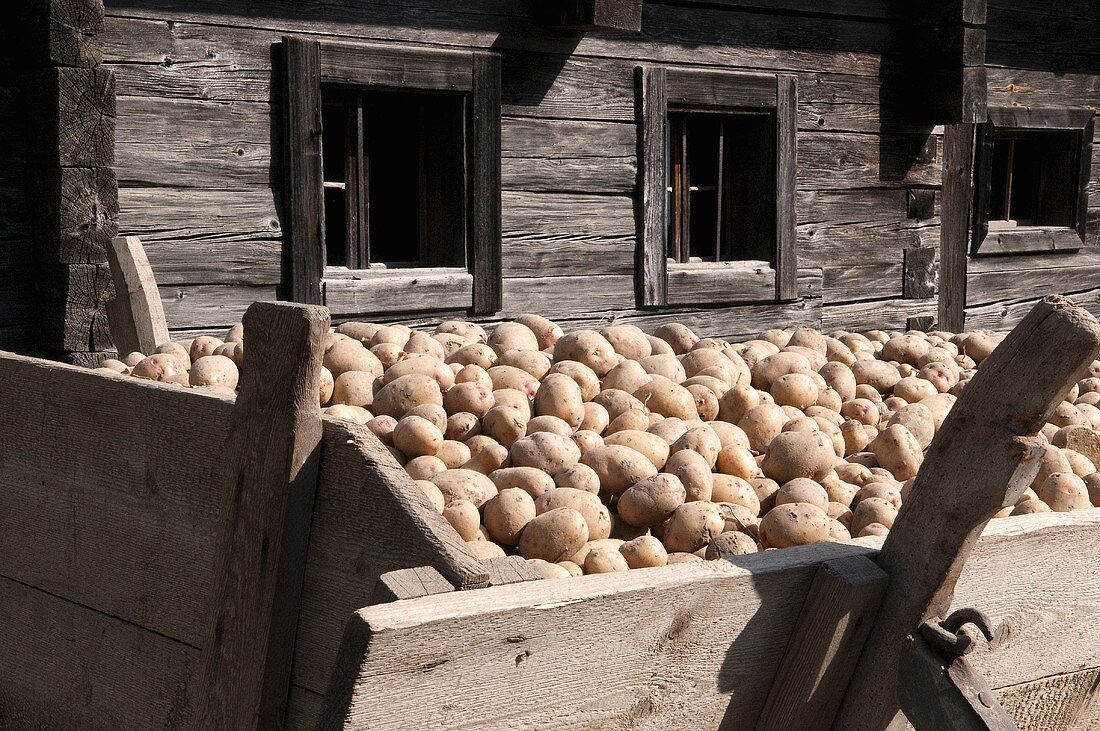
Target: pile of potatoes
<point x="600" y="451"/>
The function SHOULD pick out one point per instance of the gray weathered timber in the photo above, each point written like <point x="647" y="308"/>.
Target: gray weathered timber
<point x="868" y="314"/>
<point x="1016" y="278"/>
<point x="650" y="267"/>
<point x="273" y="451"/>
<point x="212" y="306"/>
<point x="303" y="186"/>
<point x="698" y="660"/>
<point x="934" y="533"/>
<point x="75" y="27"/>
<point x="136" y="314"/>
<point x="484" y="255"/>
<point x="405" y="67"/>
<point x="609" y="15"/>
<point x="409" y="584"/>
<point x="509" y="570"/>
<point x="786" y="161"/>
<point x="1066" y="702"/>
<point x="86" y="205"/>
<point x="825" y="645"/>
<point x="920" y="273"/>
<point x="958" y="152"/>
<point x="721" y="283"/>
<point x="397" y="290"/>
<point x="83" y="131"/>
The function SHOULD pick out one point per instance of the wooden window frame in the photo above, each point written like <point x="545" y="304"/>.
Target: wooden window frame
<point x="308" y="64"/>
<point x="659" y="284"/>
<point x="1029" y="239"/>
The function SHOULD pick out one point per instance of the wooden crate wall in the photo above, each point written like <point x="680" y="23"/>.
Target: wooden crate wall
<point x="199" y="175"/>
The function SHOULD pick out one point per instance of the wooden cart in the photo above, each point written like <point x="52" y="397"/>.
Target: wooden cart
<point x="172" y="559"/>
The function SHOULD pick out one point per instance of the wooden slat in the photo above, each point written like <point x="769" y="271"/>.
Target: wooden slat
<point x="409" y="584"/>
<point x="360" y="484"/>
<point x="304" y="203"/>
<point x="1066" y="702"/>
<point x="1040" y="117"/>
<point x="824" y="646"/>
<point x="696" y="88"/>
<point x="919" y="279"/>
<point x="958" y="152"/>
<point x="1009" y="279"/>
<point x="720" y="282"/>
<point x="875" y="313"/>
<point x="786" y="161"/>
<point x="136" y="313"/>
<point x="1084" y="178"/>
<point x="396" y="67"/>
<point x="698" y="660"/>
<point x="612" y="15"/>
<point x="213" y="306"/>
<point x="397" y="290"/>
<point x="485" y="243"/>
<point x="1014" y="394"/>
<point x="509" y="570"/>
<point x="272" y="455"/>
<point x="651" y="278"/>
<point x="1031" y="240"/>
<point x="568" y="156"/>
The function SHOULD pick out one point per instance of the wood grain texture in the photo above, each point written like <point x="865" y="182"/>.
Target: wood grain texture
<point x="394" y="291"/>
<point x="1017" y="278"/>
<point x="136" y="314"/>
<point x="699" y="660"/>
<point x="567" y="155"/>
<point x="77" y="213"/>
<point x="75" y="27"/>
<point x="509" y="570"/>
<point x="786" y="165"/>
<point x="80" y="129"/>
<point x="958" y="152"/>
<point x="650" y="268"/>
<point x="919" y="273"/>
<point x="211" y="306"/>
<point x="74" y="296"/>
<point x="273" y="451"/>
<point x="409" y="584"/>
<point x="825" y="645"/>
<point x="303" y="189"/>
<point x="934" y="534"/>
<point x="874" y="313"/>
<point x="485" y="195"/>
<point x="723" y="282"/>
<point x="396" y="67"/>
<point x="1064" y="702"/>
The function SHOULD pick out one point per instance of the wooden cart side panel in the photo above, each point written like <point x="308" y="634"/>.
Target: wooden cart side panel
<point x="369" y="518"/>
<point x="689" y="646"/>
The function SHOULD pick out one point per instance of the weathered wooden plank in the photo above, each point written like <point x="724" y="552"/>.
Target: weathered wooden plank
<point x="399" y="67"/>
<point x="104" y="527"/>
<point x="871" y="314"/>
<point x="80" y="124"/>
<point x="830" y="161"/>
<point x="697" y="661"/>
<point x="721" y="282"/>
<point x="75" y="296"/>
<point x="611" y="15"/>
<point x="360" y="484"/>
<point x="786" y="167"/>
<point x="1031" y="239"/>
<point x="1027" y="87"/>
<point x="860" y="205"/>
<point x="698" y="88"/>
<point x="919" y="278"/>
<point x="999" y="450"/>
<point x="303" y="709"/>
<point x="195" y="236"/>
<point x="77" y="213"/>
<point x="1003" y="316"/>
<point x="1056" y="703"/>
<point x="272" y="459"/>
<point x="509" y="570"/>
<point x="548" y="255"/>
<point x="852" y="282"/>
<point x="136" y="313"/>
<point x="385" y="291"/>
<point x="567" y="156"/>
<point x="68" y="666"/>
<point x="485" y="176"/>
<point x="824" y="645"/>
<point x="958" y="170"/>
<point x="650" y="265"/>
<point x="1006" y="280"/>
<point x="409" y="584"/>
<point x="200" y="305"/>
<point x="74" y="30"/>
<point x="302" y="190"/>
<point x="550" y="214"/>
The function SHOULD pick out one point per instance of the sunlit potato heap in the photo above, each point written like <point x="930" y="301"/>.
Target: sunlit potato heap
<point x="600" y="451"/>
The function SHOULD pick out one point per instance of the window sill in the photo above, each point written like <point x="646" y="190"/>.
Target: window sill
<point x="709" y="283"/>
<point x="362" y="291"/>
<point x="1030" y="240"/>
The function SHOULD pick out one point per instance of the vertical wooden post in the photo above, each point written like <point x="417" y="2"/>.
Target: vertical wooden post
<point x="136" y="314"/>
<point x="304" y="184"/>
<point x="485" y="227"/>
<point x="786" y="165"/>
<point x="958" y="166"/>
<point x="979" y="455"/>
<point x="271" y="477"/>
<point x="650" y="265"/>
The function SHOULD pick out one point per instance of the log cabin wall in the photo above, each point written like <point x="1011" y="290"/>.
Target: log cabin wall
<point x="1042" y="56"/>
<point x="199" y="162"/>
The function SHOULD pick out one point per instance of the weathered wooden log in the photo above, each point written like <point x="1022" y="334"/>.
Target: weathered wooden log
<point x="136" y="314"/>
<point x="271" y="477"/>
<point x="983" y="451"/>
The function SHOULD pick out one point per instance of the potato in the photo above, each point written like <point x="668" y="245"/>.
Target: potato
<point x="454" y="453"/>
<point x="1030" y="507"/>
<point x="872" y="510"/>
<point x="586" y="440"/>
<point x="666" y="398"/>
<point x="803" y="490"/>
<point x="421" y="343"/>
<point x="468" y="330"/>
<point x="652" y="500"/>
<point x="706" y="403"/>
<point x="635" y="420"/>
<point x="486" y="458"/>
<point x="424" y="468"/>
<point x="628" y="341"/>
<point x="504" y="424"/>
<point x="533" y="362"/>
<point x="678" y="336"/>
<point x="465" y="484"/>
<point x="794" y="389"/>
<point x="644" y="552"/>
<point x="350" y="355"/>
<point x="545" y="451"/>
<point x="463" y="517"/>
<point x="618" y="402"/>
<point x="737" y="461"/>
<point x="406" y="392"/>
<point x="794" y="524"/>
<point x="762" y="424"/>
<point x="905" y="349"/>
<point x="877" y="374"/>
<point x="730" y="543"/>
<point x="507" y="513"/>
<point x="475" y="398"/>
<point x="160" y="367"/>
<point x="692" y="526"/>
<point x="533" y="481"/>
<point x="628" y="376"/>
<point x="596" y="514"/>
<point x="560" y="396"/>
<point x="547" y="570"/>
<point x="461" y="426"/>
<point x="382" y="427"/>
<point x="547" y="333"/>
<point x="913" y="389"/>
<point x="702" y="440"/>
<point x="478" y="354"/>
<point x="771" y="368"/>
<point x="618" y="467"/>
<point x="579" y="557"/>
<point x="595" y="418"/>
<point x="357" y="414"/>
<point x="899" y="451"/>
<point x="483" y="550"/>
<point x="694" y="473"/>
<point x="735" y="491"/>
<point x="668" y="366"/>
<point x="579" y="476"/>
<point x="798" y="454"/>
<point x="681" y="557"/>
<point x="553" y="536"/>
<point x="655" y="449"/>
<point x="354" y="388"/>
<point x="918" y="419"/>
<point x="605" y="560"/>
<point x="587" y="347"/>
<point x="547" y="423"/>
<point x="512" y="336"/>
<point x="214" y="370"/>
<point x="1064" y="491"/>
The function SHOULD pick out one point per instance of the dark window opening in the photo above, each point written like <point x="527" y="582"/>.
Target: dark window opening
<point x="394" y="178"/>
<point x="721" y="187"/>
<point x="1033" y="179"/>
